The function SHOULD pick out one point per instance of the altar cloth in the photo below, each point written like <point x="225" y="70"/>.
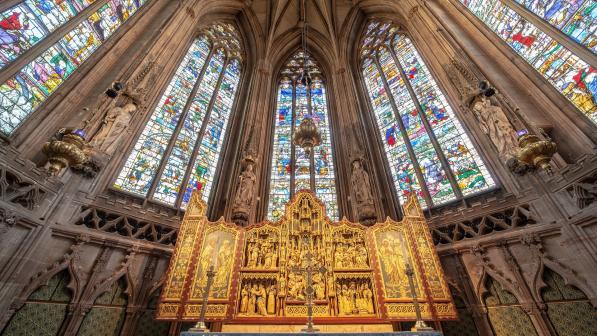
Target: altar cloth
<point x="398" y="333"/>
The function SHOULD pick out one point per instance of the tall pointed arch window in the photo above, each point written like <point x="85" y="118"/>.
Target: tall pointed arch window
<point x="179" y="149"/>
<point x="427" y="148"/>
<point x="293" y="170"/>
<point x="525" y="26"/>
<point x="23" y="26"/>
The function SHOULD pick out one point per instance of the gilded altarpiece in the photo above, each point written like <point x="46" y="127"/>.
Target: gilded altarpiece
<point x="357" y="273"/>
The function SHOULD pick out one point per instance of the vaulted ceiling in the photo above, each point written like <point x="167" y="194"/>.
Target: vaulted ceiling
<point x="280" y="16"/>
<point x="328" y="21"/>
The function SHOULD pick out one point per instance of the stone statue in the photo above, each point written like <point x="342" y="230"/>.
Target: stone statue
<point x="243" y="200"/>
<point x="246" y="184"/>
<point x="113" y="129"/>
<point x="363" y="196"/>
<point x="495" y="124"/>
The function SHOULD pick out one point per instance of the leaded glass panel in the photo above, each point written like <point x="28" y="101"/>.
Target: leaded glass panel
<point x="23" y="26"/>
<point x="568" y="73"/>
<point x="182" y="141"/>
<point x="422" y="138"/>
<point x="292" y="168"/>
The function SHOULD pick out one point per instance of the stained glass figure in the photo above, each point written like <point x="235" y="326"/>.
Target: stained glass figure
<point x="25" y="25"/>
<point x="292" y="169"/>
<point x="179" y="149"/>
<point x="575" y="18"/>
<point x="567" y="72"/>
<point x="427" y="149"/>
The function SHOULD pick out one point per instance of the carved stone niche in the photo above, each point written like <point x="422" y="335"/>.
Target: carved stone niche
<point x="584" y="191"/>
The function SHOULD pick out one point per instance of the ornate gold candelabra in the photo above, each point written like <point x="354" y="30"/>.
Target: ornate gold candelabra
<point x="200" y="326"/>
<point x="65" y="149"/>
<point x="420" y="325"/>
<point x="533" y="153"/>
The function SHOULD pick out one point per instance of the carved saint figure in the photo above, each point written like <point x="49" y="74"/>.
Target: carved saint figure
<point x="271" y="300"/>
<point x="332" y="294"/>
<point x="261" y="296"/>
<point x="113" y="129"/>
<point x="361" y="256"/>
<point x="246" y="186"/>
<point x="253" y="255"/>
<point x="368" y="298"/>
<point x="252" y="300"/>
<point x="361" y="184"/>
<point x="319" y="287"/>
<point x="495" y="124"/>
<point x="267" y="260"/>
<point x="344" y="300"/>
<point x="244" y="301"/>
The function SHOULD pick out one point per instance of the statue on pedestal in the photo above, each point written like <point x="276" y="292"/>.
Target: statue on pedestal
<point x="494" y="122"/>
<point x="114" y="129"/>
<point x="243" y="200"/>
<point x="362" y="193"/>
<point x="245" y="190"/>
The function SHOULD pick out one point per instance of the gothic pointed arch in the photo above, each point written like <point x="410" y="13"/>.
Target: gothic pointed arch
<point x="179" y="148"/>
<point x="107" y="315"/>
<point x="292" y="169"/>
<point x="426" y="146"/>
<point x="568" y="308"/>
<point x="44" y="310"/>
<point x="505" y="312"/>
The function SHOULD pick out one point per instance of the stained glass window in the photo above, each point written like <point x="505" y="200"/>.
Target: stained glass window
<point x="292" y="169"/>
<point x="181" y="143"/>
<point x="567" y="72"/>
<point x="575" y="18"/>
<point x="427" y="148"/>
<point x="24" y="25"/>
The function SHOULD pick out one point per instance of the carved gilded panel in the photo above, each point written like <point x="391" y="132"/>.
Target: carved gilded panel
<point x="272" y="272"/>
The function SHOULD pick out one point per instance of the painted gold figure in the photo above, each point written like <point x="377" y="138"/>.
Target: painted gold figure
<point x="271" y="300"/>
<point x="244" y="301"/>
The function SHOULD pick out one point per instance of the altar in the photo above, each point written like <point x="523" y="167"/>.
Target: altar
<point x="264" y="274"/>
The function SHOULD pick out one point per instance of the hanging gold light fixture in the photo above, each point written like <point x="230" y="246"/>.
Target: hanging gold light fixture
<point x="65" y="149"/>
<point x="307" y="136"/>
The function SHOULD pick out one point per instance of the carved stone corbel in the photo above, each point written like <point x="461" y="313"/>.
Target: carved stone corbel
<point x="584" y="192"/>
